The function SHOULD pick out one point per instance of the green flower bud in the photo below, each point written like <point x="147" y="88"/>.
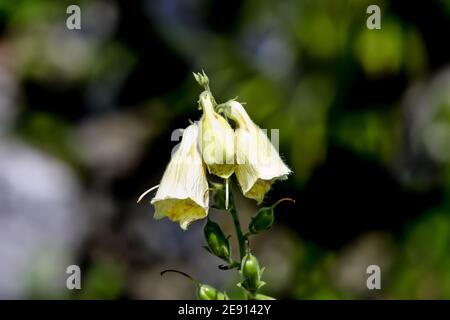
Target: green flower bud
<point x="218" y="243"/>
<point x="262" y="221"/>
<point x="202" y="79"/>
<point x="206" y="292"/>
<point x="251" y="273"/>
<point x="264" y="218"/>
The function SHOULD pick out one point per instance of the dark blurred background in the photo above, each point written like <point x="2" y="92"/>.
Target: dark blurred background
<point x="86" y="118"/>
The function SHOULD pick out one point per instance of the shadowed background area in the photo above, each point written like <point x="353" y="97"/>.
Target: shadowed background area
<point x="86" y="118"/>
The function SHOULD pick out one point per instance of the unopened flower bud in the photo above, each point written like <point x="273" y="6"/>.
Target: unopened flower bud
<point x="206" y="292"/>
<point x="264" y="218"/>
<point x="202" y="79"/>
<point x="218" y="243"/>
<point x="251" y="273"/>
<point x="262" y="221"/>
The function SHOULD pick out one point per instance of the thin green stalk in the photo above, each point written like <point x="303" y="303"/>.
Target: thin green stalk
<point x="237" y="226"/>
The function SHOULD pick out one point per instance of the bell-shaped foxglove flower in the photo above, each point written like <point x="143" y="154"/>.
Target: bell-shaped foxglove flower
<point x="217" y="139"/>
<point x="258" y="163"/>
<point x="182" y="194"/>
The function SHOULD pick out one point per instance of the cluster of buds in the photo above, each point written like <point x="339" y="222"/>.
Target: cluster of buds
<point x="225" y="141"/>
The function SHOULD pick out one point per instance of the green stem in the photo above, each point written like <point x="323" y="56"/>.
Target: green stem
<point x="237" y="226"/>
<point x="281" y="200"/>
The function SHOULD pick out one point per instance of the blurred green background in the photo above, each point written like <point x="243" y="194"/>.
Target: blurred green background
<point x="86" y="118"/>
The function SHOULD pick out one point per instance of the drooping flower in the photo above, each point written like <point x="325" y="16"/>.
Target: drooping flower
<point x="217" y="139"/>
<point x="258" y="163"/>
<point x="182" y="194"/>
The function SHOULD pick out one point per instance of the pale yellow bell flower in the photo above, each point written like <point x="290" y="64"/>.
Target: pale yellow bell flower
<point x="217" y="139"/>
<point x="182" y="194"/>
<point x="258" y="163"/>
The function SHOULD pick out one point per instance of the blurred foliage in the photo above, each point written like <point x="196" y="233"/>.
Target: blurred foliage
<point x="422" y="270"/>
<point x="49" y="133"/>
<point x="105" y="280"/>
